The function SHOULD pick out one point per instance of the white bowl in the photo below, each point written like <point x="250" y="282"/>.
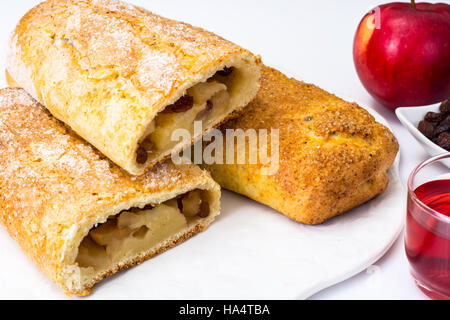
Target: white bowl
<point x="410" y="118"/>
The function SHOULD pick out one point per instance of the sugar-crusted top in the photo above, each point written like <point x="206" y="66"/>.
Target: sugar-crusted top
<point x="106" y="67"/>
<point x="327" y="147"/>
<point x="42" y="159"/>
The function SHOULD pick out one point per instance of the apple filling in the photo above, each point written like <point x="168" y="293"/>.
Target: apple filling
<point x="138" y="230"/>
<point x="206" y="102"/>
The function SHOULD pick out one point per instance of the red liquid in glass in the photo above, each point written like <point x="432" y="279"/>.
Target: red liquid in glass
<point x="427" y="238"/>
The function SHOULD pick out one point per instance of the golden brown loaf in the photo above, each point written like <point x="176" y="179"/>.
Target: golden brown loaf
<point x="124" y="79"/>
<point x="78" y="216"/>
<point x="333" y="155"/>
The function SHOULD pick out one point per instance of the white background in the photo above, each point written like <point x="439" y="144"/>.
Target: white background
<point x="312" y="41"/>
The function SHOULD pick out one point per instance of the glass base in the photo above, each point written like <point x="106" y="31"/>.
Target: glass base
<point x="430" y="293"/>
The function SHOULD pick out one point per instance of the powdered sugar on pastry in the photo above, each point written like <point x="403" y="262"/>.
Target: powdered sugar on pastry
<point x="55" y="188"/>
<point x="108" y="69"/>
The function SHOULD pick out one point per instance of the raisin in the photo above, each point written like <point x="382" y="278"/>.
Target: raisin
<point x="225" y="72"/>
<point x="148" y="207"/>
<point x="443" y="126"/>
<point x="434" y="117"/>
<point x="209" y="105"/>
<point x="444" y="140"/>
<point x="147" y="144"/>
<point x="180" y="202"/>
<point x="445" y="107"/>
<point x="204" y="210"/>
<point x="183" y="104"/>
<point x="141" y="155"/>
<point x="426" y="128"/>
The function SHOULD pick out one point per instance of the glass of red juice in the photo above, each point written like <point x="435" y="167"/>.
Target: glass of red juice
<point x="427" y="237"/>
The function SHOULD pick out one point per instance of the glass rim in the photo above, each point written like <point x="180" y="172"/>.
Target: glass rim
<point x="427" y="209"/>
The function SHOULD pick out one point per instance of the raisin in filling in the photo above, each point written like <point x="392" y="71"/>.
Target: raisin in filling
<point x="204" y="102"/>
<point x="136" y="230"/>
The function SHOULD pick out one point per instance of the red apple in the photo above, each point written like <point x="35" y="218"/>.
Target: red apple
<point x="402" y="53"/>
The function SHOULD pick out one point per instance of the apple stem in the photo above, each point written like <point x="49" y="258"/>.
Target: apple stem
<point x="413" y="4"/>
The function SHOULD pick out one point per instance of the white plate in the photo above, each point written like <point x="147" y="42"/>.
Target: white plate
<point x="250" y="252"/>
<point x="410" y="118"/>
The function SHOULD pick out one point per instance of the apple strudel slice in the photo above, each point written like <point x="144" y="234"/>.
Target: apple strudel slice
<point x="124" y="79"/>
<point x="327" y="157"/>
<point x="78" y="216"/>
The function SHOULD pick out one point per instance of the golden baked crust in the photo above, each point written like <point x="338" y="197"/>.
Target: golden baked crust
<point x="54" y="187"/>
<point x="107" y="68"/>
<point x="333" y="154"/>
